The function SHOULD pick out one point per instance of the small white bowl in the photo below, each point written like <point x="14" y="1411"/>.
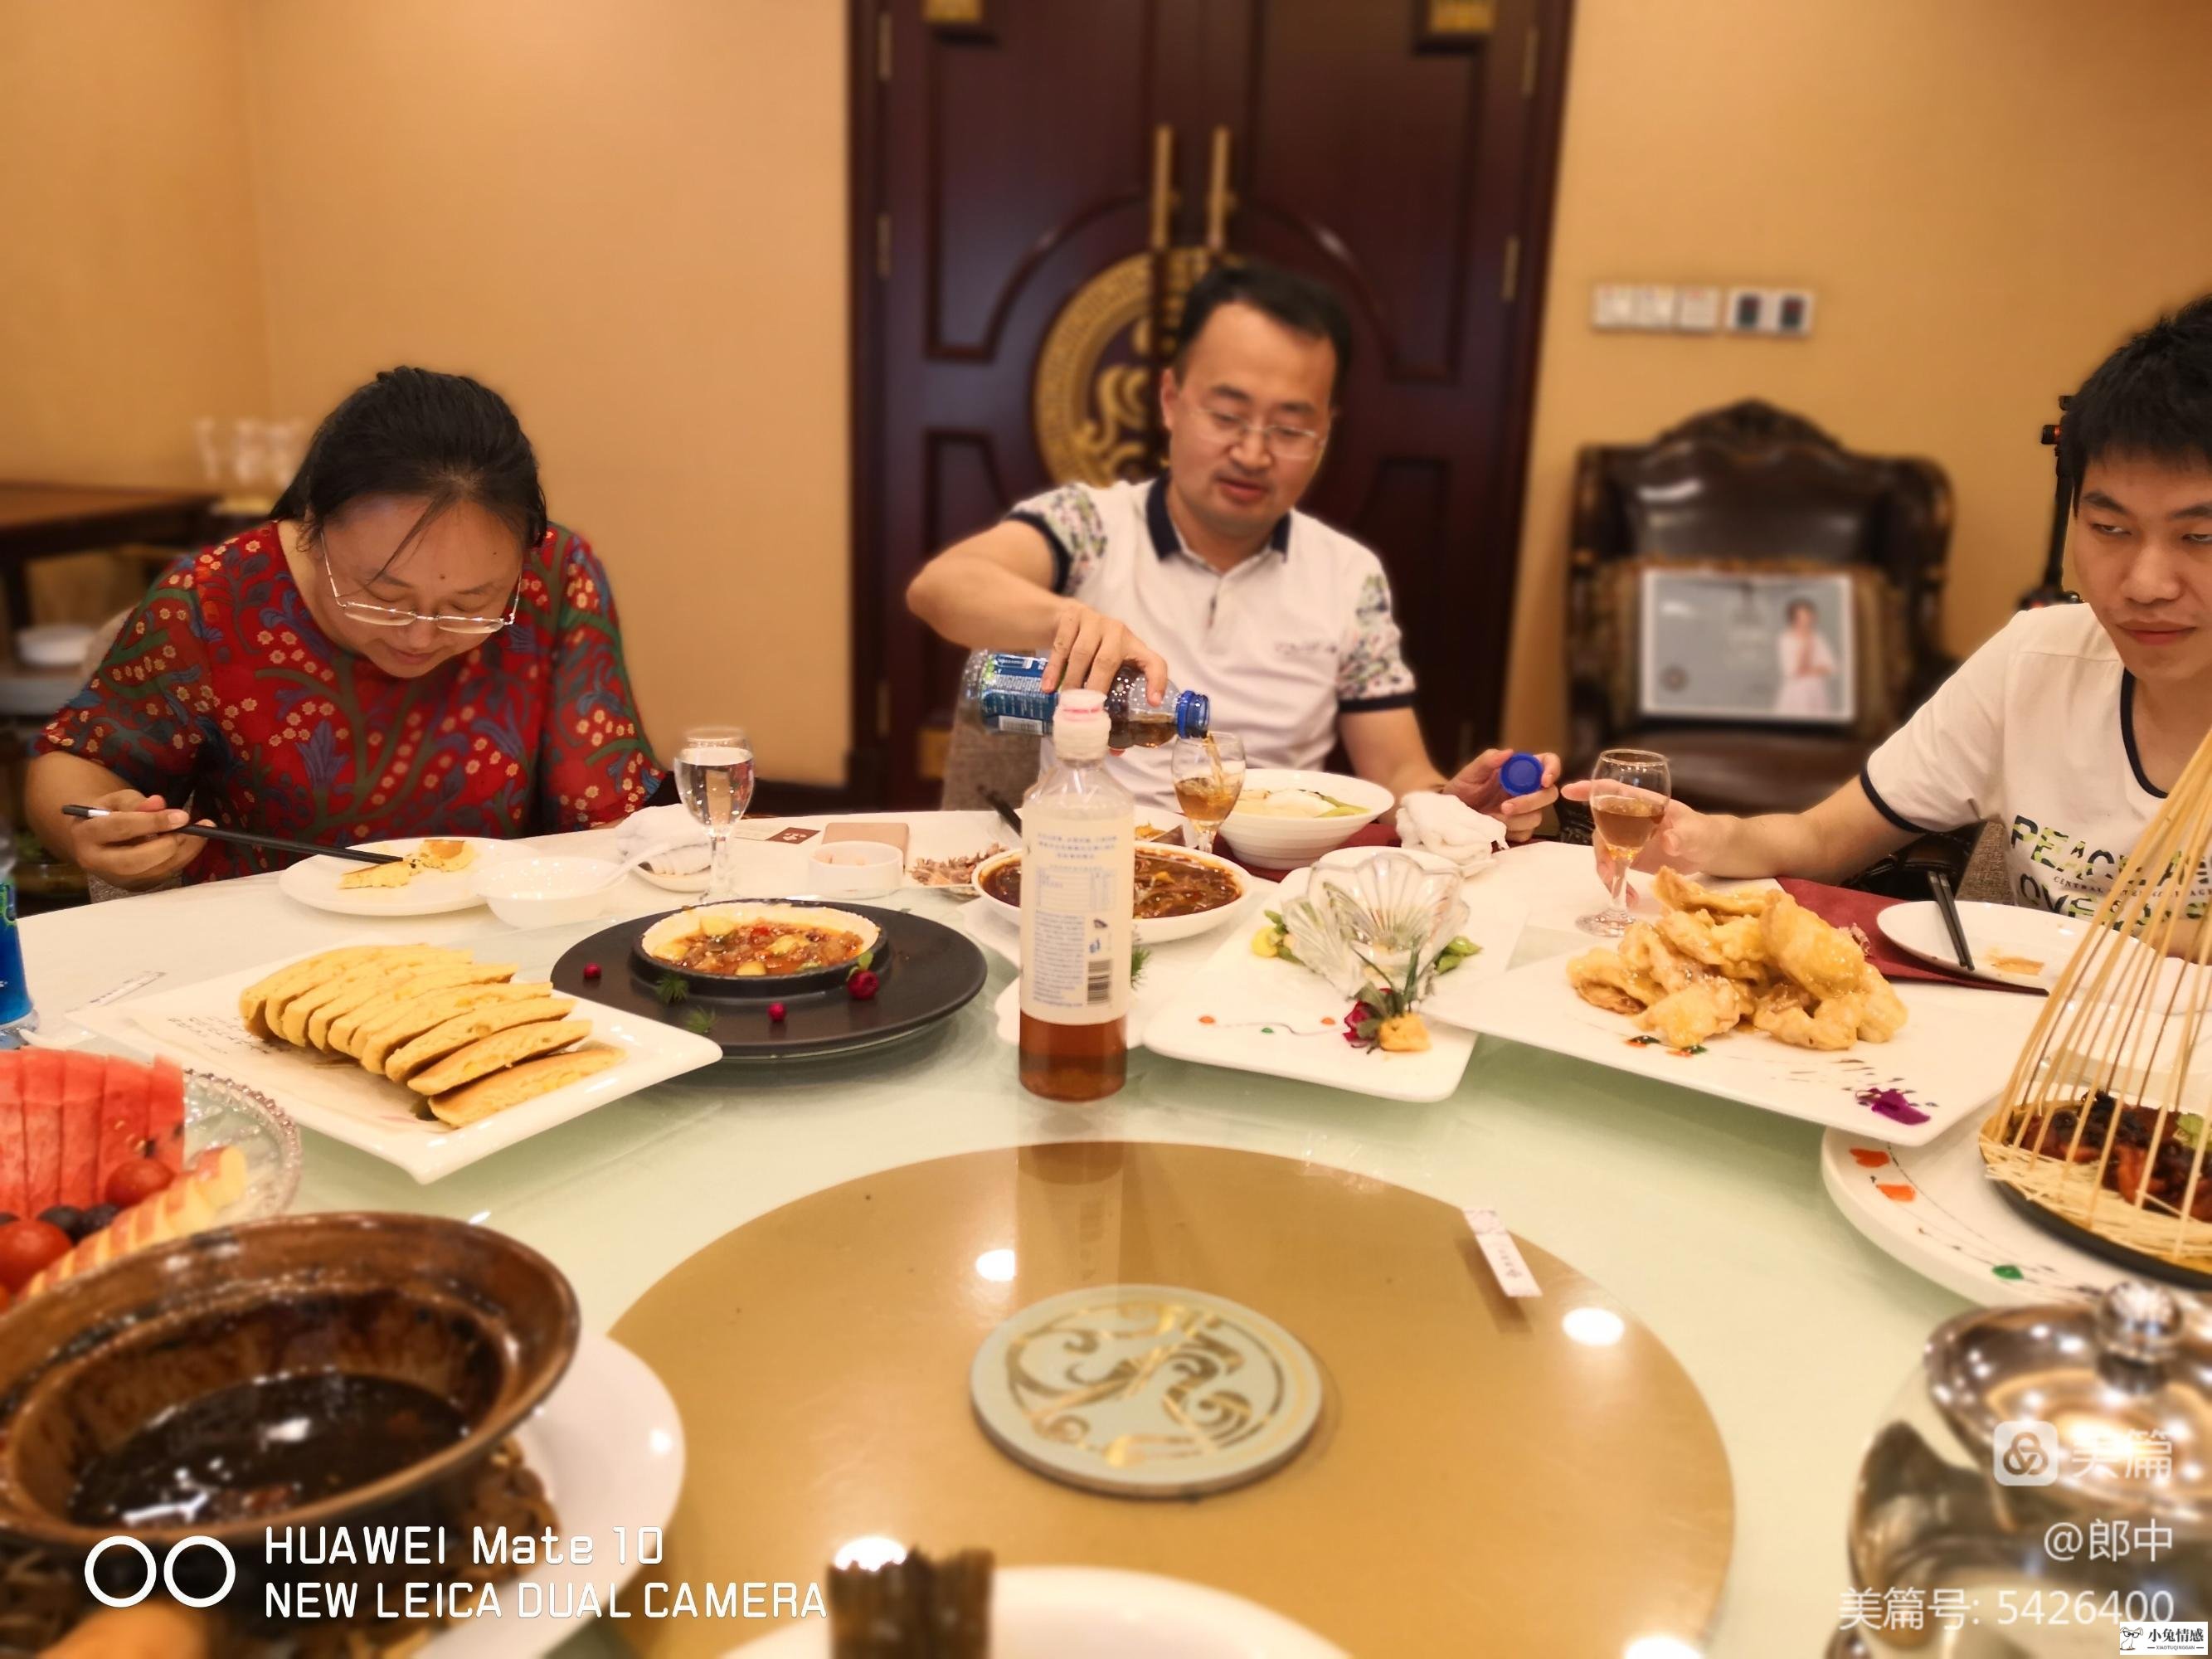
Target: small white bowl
<point x="1287" y="843"/>
<point x="545" y="892"/>
<point x="857" y="869"/>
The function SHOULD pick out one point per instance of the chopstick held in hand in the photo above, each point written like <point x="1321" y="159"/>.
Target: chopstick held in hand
<point x="241" y="838"/>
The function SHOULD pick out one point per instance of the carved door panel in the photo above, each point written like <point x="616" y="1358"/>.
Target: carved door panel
<point x="1036" y="185"/>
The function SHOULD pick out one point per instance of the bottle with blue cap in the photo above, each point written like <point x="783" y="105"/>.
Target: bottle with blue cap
<point x="1006" y="691"/>
<point x="1521" y="775"/>
<point x="17" y="1016"/>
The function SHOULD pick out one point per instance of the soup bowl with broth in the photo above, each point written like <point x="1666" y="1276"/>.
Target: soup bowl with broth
<point x="1286" y="819"/>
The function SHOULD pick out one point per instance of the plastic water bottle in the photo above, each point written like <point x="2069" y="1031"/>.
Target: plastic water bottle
<point x="1006" y="691"/>
<point x="1078" y="883"/>
<point x="17" y="1014"/>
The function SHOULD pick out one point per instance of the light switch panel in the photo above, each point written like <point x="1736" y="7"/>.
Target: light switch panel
<point x="1697" y="309"/>
<point x="1613" y="305"/>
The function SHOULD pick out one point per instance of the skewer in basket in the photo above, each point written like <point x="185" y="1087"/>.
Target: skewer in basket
<point x="2103" y="1123"/>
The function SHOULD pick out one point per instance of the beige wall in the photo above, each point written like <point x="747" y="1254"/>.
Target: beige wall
<point x="628" y="219"/>
<point x="1986" y="196"/>
<point x="130" y="286"/>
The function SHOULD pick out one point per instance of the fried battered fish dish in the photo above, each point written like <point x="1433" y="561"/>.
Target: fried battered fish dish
<point x="1716" y="960"/>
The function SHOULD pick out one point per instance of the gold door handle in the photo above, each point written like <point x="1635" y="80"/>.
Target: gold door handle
<point x="1163" y="194"/>
<point x="1220" y="200"/>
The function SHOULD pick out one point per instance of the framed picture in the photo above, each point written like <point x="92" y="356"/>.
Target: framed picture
<point x="1750" y="645"/>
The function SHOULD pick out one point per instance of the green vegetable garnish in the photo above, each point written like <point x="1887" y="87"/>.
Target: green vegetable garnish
<point x="2189" y="1128"/>
<point x="1139" y="956"/>
<point x="672" y="988"/>
<point x="699" y="1021"/>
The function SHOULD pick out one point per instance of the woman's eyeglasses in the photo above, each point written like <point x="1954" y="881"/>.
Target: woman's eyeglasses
<point x="387" y="615"/>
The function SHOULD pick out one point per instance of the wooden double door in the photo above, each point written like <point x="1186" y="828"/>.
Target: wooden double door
<point x="1036" y="183"/>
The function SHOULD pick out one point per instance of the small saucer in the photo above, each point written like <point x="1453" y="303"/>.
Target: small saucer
<point x="1145" y="1390"/>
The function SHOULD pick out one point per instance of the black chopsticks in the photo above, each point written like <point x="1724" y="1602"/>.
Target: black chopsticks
<point x="1005" y="809"/>
<point x="1939" y="885"/>
<point x="241" y="838"/>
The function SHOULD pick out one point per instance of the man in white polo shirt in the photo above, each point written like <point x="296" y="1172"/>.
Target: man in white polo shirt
<point x="2070" y="726"/>
<point x="1210" y="575"/>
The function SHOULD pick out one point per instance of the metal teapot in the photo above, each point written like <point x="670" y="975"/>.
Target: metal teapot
<point x="2030" y="1436"/>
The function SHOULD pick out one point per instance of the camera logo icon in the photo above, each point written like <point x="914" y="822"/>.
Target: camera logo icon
<point x="2024" y="1452"/>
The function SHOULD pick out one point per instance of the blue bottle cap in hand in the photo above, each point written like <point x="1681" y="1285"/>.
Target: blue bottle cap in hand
<point x="1521" y="775"/>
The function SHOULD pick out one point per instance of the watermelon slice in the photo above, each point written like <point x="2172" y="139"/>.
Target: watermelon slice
<point x="42" y="1129"/>
<point x="122" y="1119"/>
<point x="165" y="1115"/>
<point x="83" y="1083"/>
<point x="12" y="1172"/>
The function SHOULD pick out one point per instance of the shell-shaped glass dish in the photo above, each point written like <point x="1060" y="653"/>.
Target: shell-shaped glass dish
<point x="221" y="1113"/>
<point x="1373" y="921"/>
<point x="1315" y="934"/>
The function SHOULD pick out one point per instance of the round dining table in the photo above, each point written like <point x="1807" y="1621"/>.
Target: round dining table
<point x="1703" y="1218"/>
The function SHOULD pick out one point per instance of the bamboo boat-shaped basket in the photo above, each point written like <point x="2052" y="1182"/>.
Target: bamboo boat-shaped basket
<point x="2104" y="1122"/>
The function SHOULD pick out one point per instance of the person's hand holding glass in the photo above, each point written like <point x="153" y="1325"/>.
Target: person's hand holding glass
<point x="714" y="776"/>
<point x="1209" y="777"/>
<point x="1628" y="792"/>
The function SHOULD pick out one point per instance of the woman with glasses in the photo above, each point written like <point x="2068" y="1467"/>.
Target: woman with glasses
<point x="409" y="648"/>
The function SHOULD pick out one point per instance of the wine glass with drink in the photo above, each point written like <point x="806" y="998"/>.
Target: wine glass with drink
<point x="1209" y="777"/>
<point x="714" y="776"/>
<point x="1629" y="791"/>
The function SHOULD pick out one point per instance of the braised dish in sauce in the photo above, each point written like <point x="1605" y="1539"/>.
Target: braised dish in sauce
<point x="1166" y="885"/>
<point x="772" y="948"/>
<point x="760" y="941"/>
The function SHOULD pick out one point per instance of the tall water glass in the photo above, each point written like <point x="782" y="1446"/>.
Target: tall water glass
<point x="714" y="776"/>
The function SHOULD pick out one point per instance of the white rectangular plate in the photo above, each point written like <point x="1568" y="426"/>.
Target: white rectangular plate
<point x="1261" y="1014"/>
<point x="199" y="1024"/>
<point x="1951" y="1059"/>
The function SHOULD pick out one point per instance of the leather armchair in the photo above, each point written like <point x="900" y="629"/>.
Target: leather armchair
<point x="1740" y="486"/>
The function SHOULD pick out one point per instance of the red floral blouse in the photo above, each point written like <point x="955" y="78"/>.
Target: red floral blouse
<point x="223" y="687"/>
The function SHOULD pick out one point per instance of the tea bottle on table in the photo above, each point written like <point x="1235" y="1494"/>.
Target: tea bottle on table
<point x="1006" y="691"/>
<point x="1078" y="878"/>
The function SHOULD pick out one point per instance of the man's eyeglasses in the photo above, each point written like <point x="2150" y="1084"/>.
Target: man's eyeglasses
<point x="1289" y="443"/>
<point x="387" y="615"/>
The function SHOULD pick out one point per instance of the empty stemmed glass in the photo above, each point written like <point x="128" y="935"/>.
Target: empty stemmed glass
<point x="1629" y="792"/>
<point x="1209" y="777"/>
<point x="714" y="776"/>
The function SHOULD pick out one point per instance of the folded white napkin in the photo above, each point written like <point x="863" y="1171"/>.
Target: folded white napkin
<point x="670" y="836"/>
<point x="1448" y="827"/>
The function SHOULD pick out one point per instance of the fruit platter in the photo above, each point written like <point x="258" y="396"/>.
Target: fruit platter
<point x="101" y="1155"/>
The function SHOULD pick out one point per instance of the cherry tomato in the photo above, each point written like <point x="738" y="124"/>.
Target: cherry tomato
<point x="136" y="1181"/>
<point x="27" y="1247"/>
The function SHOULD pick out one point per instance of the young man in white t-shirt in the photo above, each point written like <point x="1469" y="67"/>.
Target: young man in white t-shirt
<point x="2071" y="724"/>
<point x="1208" y="575"/>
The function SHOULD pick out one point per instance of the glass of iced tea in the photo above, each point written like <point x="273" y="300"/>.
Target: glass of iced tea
<point x="1629" y="792"/>
<point x="1209" y="775"/>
